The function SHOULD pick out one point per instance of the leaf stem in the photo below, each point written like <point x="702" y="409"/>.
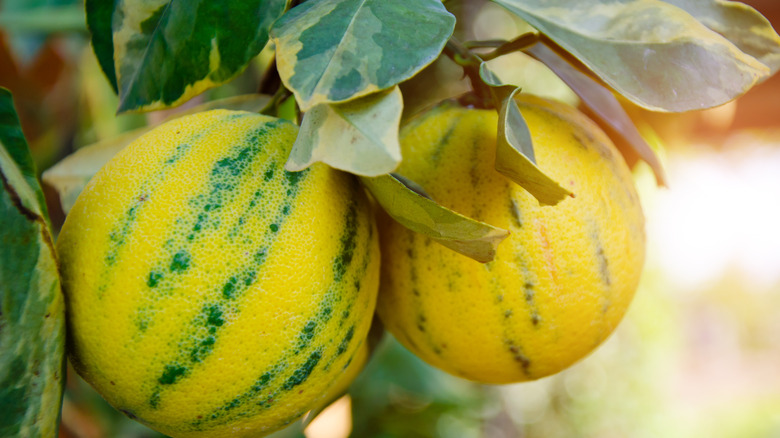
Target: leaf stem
<point x="481" y="96"/>
<point x="272" y="107"/>
<point x="522" y="42"/>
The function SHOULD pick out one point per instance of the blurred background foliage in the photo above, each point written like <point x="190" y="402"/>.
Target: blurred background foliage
<point x="699" y="352"/>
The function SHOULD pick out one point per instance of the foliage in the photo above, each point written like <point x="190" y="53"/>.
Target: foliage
<point x="340" y="68"/>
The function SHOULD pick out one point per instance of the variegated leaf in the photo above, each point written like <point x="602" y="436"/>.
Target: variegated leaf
<point x="167" y="51"/>
<point x="514" y="146"/>
<point x="421" y="214"/>
<point x="740" y="24"/>
<point x="70" y="175"/>
<point x="360" y="136"/>
<point x="32" y="309"/>
<point x="602" y="105"/>
<point x="653" y="53"/>
<point x="335" y="50"/>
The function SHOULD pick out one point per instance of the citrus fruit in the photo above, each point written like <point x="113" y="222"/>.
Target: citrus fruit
<point x="210" y="292"/>
<point x="560" y="282"/>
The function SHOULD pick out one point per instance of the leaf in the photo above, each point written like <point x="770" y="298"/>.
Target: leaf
<point x="335" y="50"/>
<point x="602" y="104"/>
<point x="655" y="54"/>
<point x="514" y="147"/>
<point x="360" y="136"/>
<point x="70" y="175"/>
<point x="99" y="13"/>
<point x="471" y="238"/>
<point x="740" y="24"/>
<point x="32" y="310"/>
<point x="12" y="138"/>
<point x="167" y="51"/>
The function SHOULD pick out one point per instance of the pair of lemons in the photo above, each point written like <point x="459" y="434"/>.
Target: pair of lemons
<point x="211" y="293"/>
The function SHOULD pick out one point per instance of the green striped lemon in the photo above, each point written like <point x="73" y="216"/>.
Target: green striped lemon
<point x="560" y="282"/>
<point x="209" y="291"/>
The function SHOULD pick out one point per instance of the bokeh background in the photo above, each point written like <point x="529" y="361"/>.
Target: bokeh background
<point x="698" y="354"/>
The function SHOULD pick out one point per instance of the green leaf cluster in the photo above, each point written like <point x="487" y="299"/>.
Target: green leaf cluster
<point x="340" y="67"/>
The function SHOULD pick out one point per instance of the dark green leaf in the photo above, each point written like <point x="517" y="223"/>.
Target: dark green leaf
<point x="603" y="105"/>
<point x="335" y="50"/>
<point x="421" y="214"/>
<point x="514" y="146"/>
<point x="655" y="54"/>
<point x="12" y="138"/>
<point x="32" y="311"/>
<point x="360" y="136"/>
<point x="99" y="16"/>
<point x="167" y="51"/>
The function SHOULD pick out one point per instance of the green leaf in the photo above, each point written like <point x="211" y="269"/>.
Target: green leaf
<point x="421" y="214"/>
<point x="335" y="50"/>
<point x="360" y="136"/>
<point x="167" y="51"/>
<point x="740" y="24"/>
<point x="32" y="310"/>
<point x="12" y="138"/>
<point x="603" y="106"/>
<point x="70" y="175"/>
<point x="514" y="147"/>
<point x="99" y="13"/>
<point x="653" y="53"/>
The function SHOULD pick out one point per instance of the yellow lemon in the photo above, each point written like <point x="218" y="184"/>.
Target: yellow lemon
<point x="210" y="293"/>
<point x="560" y="282"/>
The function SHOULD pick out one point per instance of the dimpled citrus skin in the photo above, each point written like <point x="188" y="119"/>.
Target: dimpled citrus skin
<point x="209" y="292"/>
<point x="560" y="282"/>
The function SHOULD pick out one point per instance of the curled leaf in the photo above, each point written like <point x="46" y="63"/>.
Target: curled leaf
<point x="653" y="53"/>
<point x="469" y="237"/>
<point x="360" y="136"/>
<point x="514" y="146"/>
<point x="603" y="105"/>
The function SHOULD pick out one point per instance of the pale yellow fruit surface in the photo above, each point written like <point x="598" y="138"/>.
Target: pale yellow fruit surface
<point x="210" y="293"/>
<point x="562" y="280"/>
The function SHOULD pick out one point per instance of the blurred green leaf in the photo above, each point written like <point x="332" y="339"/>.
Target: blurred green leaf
<point x="70" y="175"/>
<point x="399" y="395"/>
<point x="32" y="310"/>
<point x="603" y="105"/>
<point x="335" y="50"/>
<point x="514" y="147"/>
<point x="43" y="20"/>
<point x="655" y="54"/>
<point x="30" y="22"/>
<point x="167" y="51"/>
<point x="360" y="136"/>
<point x="739" y="23"/>
<point x="421" y="214"/>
